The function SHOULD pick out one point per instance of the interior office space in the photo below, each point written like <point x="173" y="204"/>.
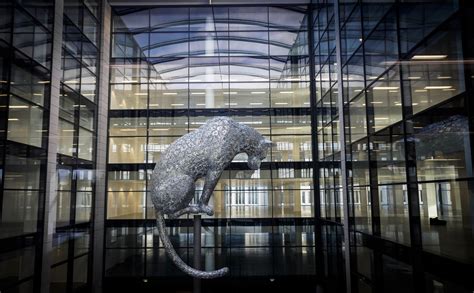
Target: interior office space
<point x="369" y="185"/>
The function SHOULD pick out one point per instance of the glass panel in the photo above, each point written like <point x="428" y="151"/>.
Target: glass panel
<point x="126" y="205"/>
<point x="25" y="122"/>
<point x="129" y="96"/>
<point x="394" y="213"/>
<point x="19" y="212"/>
<point x="66" y="138"/>
<point x="86" y="144"/>
<point x="127" y="149"/>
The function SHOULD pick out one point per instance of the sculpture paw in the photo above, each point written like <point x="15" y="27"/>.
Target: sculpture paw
<point x="207" y="210"/>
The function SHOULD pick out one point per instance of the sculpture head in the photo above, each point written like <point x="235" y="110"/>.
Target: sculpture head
<point x="258" y="154"/>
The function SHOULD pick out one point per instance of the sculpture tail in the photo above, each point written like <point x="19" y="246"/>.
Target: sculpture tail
<point x="160" y="222"/>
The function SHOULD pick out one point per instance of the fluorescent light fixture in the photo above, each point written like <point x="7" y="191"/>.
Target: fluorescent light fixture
<point x="429" y="57"/>
<point x="13" y="119"/>
<point x="43" y="81"/>
<point x="200" y="104"/>
<point x="261" y="128"/>
<point x="141" y="94"/>
<point x="170" y="94"/>
<point x="229" y="93"/>
<point x="294" y="128"/>
<point x="414" y="77"/>
<point x="231" y="104"/>
<point x="376" y="102"/>
<point x="394" y="91"/>
<point x="306" y="103"/>
<point x="198" y="93"/>
<point x="444" y="77"/>
<point x="386" y="88"/>
<point x="256" y="104"/>
<point x="381" y="118"/>
<point x="438" y="87"/>
<point x="258" y="93"/>
<point x="128" y="129"/>
<point x="448" y="90"/>
<point x="421" y="91"/>
<point x="281" y="103"/>
<point x="292" y="79"/>
<point x="160" y="129"/>
<point x="177" y="105"/>
<point x="68" y="130"/>
<point x="154" y="105"/>
<point x="18" y="107"/>
<point x="4" y="81"/>
<point x="287" y="92"/>
<point x="251" y="122"/>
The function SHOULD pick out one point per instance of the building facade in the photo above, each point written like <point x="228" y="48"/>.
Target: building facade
<point x="367" y="189"/>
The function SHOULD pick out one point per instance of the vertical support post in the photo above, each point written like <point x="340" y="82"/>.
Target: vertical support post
<point x="314" y="146"/>
<point x="50" y="198"/>
<point x="101" y="151"/>
<point x="197" y="252"/>
<point x="342" y="142"/>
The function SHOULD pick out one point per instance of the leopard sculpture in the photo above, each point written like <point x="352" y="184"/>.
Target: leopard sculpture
<point x="203" y="153"/>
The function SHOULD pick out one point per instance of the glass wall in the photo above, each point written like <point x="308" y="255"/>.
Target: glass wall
<point x="76" y="146"/>
<point x="172" y="69"/>
<point x="25" y="73"/>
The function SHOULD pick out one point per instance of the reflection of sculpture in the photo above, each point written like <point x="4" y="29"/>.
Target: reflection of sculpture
<point x="204" y="153"/>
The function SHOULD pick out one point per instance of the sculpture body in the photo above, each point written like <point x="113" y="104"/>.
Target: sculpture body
<point x="204" y="153"/>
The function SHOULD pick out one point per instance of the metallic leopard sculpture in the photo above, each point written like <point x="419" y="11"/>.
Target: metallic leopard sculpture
<point x="204" y="153"/>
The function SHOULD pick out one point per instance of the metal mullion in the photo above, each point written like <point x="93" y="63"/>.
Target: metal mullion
<point x="411" y="175"/>
<point x="342" y="141"/>
<point x="319" y="256"/>
<point x="7" y="107"/>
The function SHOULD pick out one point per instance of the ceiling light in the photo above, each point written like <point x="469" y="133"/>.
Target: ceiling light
<point x="287" y="92"/>
<point x="414" y="77"/>
<point x="198" y="93"/>
<point x="177" y="105"/>
<point x="281" y="103"/>
<point x="160" y="129"/>
<point x="170" y="94"/>
<point x="229" y="93"/>
<point x="200" y="104"/>
<point x="386" y="88"/>
<point x="444" y="77"/>
<point x="18" y="107"/>
<point x="154" y="105"/>
<point x="128" y="129"/>
<point x="421" y="91"/>
<point x="141" y="94"/>
<point x="429" y="57"/>
<point x="256" y="104"/>
<point x="438" y="87"/>
<point x="258" y="93"/>
<point x="231" y="104"/>
<point x="13" y="119"/>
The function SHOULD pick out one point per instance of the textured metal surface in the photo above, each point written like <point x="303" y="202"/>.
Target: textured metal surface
<point x="204" y="153"/>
